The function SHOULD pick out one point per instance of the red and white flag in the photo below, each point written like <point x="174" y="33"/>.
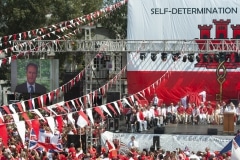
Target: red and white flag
<point x="235" y="155"/>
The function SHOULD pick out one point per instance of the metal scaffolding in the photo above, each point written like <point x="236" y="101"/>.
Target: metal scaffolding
<point x="168" y="46"/>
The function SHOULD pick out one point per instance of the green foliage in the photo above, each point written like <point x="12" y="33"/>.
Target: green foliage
<point x="22" y="15"/>
<point x="17" y="16"/>
<point x="116" y="22"/>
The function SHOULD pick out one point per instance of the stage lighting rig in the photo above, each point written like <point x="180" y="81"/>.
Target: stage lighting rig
<point x="153" y="56"/>
<point x="143" y="56"/>
<point x="191" y="57"/>
<point x="164" y="56"/>
<point x="176" y="56"/>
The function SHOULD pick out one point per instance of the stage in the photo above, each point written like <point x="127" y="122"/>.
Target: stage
<point x="184" y="129"/>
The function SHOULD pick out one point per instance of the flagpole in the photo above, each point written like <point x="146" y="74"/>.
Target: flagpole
<point x="80" y="135"/>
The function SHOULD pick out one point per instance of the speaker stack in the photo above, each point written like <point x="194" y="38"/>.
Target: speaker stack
<point x="159" y="130"/>
<point x="212" y="131"/>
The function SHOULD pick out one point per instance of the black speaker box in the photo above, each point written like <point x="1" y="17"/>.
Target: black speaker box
<point x="75" y="139"/>
<point x="212" y="131"/>
<point x="156" y="141"/>
<point x="159" y="130"/>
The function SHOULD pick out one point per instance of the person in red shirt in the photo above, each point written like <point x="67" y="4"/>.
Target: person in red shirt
<point x="188" y="113"/>
<point x="92" y="151"/>
<point x="44" y="156"/>
<point x="180" y="113"/>
<point x="207" y="154"/>
<point x="72" y="151"/>
<point x="210" y="113"/>
<point x="143" y="156"/>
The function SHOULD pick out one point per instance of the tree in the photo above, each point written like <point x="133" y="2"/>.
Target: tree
<point x="25" y="15"/>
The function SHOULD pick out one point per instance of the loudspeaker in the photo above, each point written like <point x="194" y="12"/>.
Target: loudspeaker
<point x="113" y="96"/>
<point x="212" y="131"/>
<point x="156" y="141"/>
<point x="75" y="139"/>
<point x="159" y="130"/>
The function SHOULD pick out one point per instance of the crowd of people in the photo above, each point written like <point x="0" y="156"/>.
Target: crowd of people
<point x="138" y="118"/>
<point x="141" y="118"/>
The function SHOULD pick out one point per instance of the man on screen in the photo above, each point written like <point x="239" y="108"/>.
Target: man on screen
<point x="31" y="86"/>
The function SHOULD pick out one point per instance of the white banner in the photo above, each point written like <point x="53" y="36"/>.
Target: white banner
<point x="169" y="142"/>
<point x="179" y="19"/>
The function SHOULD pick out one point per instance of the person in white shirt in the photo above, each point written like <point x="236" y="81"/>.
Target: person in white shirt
<point x="155" y="100"/>
<point x="238" y="113"/>
<point x="149" y="116"/>
<point x="217" y="114"/>
<point x="133" y="143"/>
<point x="232" y="109"/>
<point x="195" y="114"/>
<point x="164" y="113"/>
<point x="171" y="113"/>
<point x="193" y="156"/>
<point x="141" y="120"/>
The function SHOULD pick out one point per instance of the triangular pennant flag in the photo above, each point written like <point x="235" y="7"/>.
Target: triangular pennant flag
<point x="110" y="145"/>
<point x="70" y="118"/>
<point x="52" y="111"/>
<point x="73" y="103"/>
<point x="126" y="101"/>
<point x="120" y="105"/>
<point x="4" y="134"/>
<point x="1" y="116"/>
<point x="103" y="107"/>
<point x="6" y="109"/>
<point x="19" y="106"/>
<point x="15" y="117"/>
<point x="112" y="109"/>
<point x="116" y="106"/>
<point x="21" y="128"/>
<point x="27" y="120"/>
<point x="51" y="124"/>
<point x="39" y="114"/>
<point x="89" y="113"/>
<point x="81" y="122"/>
<point x="235" y="152"/>
<point x="23" y="106"/>
<point x="99" y="111"/>
<point x="12" y="109"/>
<point x="59" y="123"/>
<point x="36" y="126"/>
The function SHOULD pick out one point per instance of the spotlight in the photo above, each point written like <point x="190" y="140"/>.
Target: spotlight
<point x="153" y="56"/>
<point x="191" y="57"/>
<point x="228" y="57"/>
<point x="142" y="56"/>
<point x="184" y="58"/>
<point x="237" y="57"/>
<point x="198" y="58"/>
<point x="205" y="58"/>
<point x="176" y="56"/>
<point x="222" y="56"/>
<point x="210" y="58"/>
<point x="164" y="56"/>
<point x="216" y="57"/>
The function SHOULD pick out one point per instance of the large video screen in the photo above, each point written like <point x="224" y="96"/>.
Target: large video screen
<point x="34" y="77"/>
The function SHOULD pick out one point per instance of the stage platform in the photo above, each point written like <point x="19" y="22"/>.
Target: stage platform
<point x="187" y="129"/>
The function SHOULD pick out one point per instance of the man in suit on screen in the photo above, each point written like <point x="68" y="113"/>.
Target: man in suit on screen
<point x="31" y="86"/>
